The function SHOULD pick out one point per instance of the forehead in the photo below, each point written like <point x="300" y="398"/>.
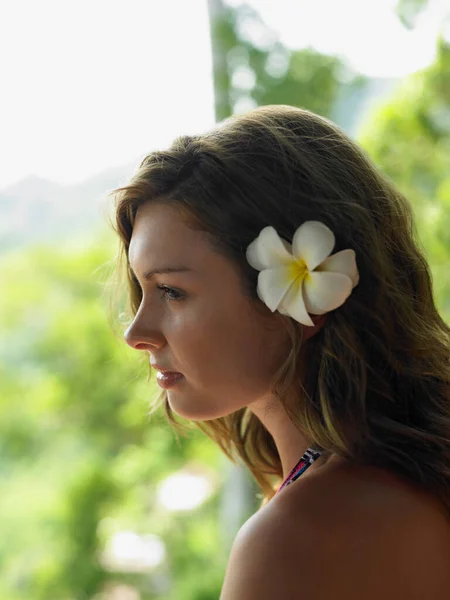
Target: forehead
<point x="161" y="232"/>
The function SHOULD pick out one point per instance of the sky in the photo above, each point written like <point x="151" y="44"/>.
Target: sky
<point x="92" y="84"/>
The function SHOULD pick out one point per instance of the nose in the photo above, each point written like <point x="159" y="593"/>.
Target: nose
<point x="140" y="336"/>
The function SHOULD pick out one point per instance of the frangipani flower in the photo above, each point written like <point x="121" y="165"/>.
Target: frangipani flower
<point x="302" y="278"/>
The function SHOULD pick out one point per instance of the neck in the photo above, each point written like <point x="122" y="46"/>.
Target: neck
<point x="290" y="442"/>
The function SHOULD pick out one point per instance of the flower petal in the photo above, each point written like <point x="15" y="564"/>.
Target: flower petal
<point x="343" y="262"/>
<point x="325" y="291"/>
<point x="268" y="250"/>
<point x="293" y="303"/>
<point x="273" y="285"/>
<point x="313" y="242"/>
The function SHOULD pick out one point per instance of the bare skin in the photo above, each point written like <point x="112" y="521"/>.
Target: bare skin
<point x="343" y="533"/>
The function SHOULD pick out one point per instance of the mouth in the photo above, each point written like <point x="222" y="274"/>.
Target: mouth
<point x="168" y="379"/>
<point x="164" y="371"/>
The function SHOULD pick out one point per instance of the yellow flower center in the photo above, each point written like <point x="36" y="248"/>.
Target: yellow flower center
<point x="298" y="269"/>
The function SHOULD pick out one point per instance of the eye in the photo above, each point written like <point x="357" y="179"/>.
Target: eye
<point x="170" y="293"/>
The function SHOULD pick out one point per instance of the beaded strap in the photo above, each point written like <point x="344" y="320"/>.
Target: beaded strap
<point x="306" y="461"/>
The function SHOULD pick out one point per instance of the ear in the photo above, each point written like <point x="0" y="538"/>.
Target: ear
<point x="319" y="321"/>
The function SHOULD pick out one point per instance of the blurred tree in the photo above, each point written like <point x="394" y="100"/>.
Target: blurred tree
<point x="76" y="450"/>
<point x="409" y="138"/>
<point x="220" y="45"/>
<point x="252" y="68"/>
<point x="408" y="11"/>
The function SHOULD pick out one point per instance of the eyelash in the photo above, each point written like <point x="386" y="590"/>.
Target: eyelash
<point x="167" y="290"/>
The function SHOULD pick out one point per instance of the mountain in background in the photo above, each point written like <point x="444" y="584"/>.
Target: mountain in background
<point x="37" y="211"/>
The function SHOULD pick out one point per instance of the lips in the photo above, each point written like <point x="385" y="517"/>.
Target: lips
<point x="163" y="370"/>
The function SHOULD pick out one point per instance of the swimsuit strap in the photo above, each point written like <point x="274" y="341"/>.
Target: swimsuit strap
<point x="306" y="461"/>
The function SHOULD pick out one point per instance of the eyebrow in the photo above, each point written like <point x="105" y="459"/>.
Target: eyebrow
<point x="149" y="274"/>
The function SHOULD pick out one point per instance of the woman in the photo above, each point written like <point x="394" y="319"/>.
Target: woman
<point x="279" y="290"/>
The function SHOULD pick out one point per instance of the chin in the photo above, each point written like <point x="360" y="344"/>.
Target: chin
<point x="195" y="410"/>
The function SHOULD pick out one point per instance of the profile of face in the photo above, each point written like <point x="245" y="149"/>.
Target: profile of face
<point x="198" y="321"/>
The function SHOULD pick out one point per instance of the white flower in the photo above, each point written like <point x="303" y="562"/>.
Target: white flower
<point x="302" y="278"/>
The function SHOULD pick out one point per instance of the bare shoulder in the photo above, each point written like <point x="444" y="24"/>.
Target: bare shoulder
<point x="352" y="533"/>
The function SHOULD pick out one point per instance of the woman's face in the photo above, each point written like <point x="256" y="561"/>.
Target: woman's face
<point x="198" y="322"/>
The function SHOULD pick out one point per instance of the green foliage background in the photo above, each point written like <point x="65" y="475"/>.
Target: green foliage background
<point x="80" y="459"/>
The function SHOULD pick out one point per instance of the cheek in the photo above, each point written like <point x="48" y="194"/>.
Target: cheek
<point x="234" y="345"/>
<point x="224" y="343"/>
<point x="265" y="349"/>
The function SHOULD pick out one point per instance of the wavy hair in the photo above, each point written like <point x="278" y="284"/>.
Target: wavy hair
<point x="376" y="388"/>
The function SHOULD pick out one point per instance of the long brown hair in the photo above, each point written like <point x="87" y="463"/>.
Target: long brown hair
<point x="376" y="390"/>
